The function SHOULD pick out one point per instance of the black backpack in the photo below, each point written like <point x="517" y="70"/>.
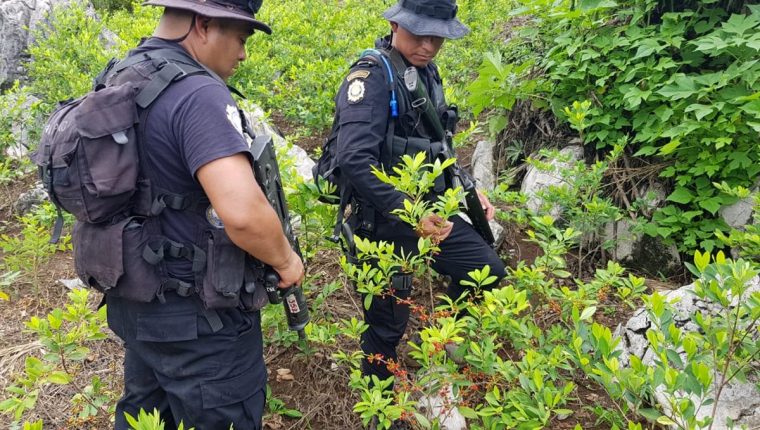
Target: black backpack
<point x="89" y="152"/>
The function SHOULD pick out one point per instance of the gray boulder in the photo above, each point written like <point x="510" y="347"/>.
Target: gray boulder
<point x="637" y="250"/>
<point x="537" y="180"/>
<point x="482" y="165"/>
<point x="30" y="199"/>
<point x="738" y="401"/>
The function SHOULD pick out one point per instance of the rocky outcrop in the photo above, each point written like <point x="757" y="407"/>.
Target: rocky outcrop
<point x="739" y="401"/>
<point x="637" y="250"/>
<point x="537" y="180"/>
<point x="30" y="199"/>
<point x="18" y="20"/>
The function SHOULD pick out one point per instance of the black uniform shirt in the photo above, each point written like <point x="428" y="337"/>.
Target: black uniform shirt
<point x="194" y="122"/>
<point x="362" y="105"/>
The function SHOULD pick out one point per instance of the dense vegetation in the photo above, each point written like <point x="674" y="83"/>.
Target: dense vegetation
<point x="669" y="90"/>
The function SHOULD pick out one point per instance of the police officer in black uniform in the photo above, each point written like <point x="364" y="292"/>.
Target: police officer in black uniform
<point x="365" y="113"/>
<point x="194" y="352"/>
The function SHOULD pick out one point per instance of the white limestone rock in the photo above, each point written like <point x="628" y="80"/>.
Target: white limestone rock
<point x="482" y="165"/>
<point x="738" y="401"/>
<point x="537" y="180"/>
<point x="440" y="406"/>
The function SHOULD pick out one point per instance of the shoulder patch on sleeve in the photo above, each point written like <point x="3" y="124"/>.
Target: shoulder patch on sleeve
<point x="359" y="74"/>
<point x="355" y="91"/>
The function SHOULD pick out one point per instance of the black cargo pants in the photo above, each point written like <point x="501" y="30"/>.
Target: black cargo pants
<point x="177" y="364"/>
<point x="463" y="251"/>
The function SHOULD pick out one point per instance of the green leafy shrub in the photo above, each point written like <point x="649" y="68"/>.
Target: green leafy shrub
<point x="690" y="369"/>
<point x="31" y="249"/>
<point x="64" y="335"/>
<point x="297" y="71"/>
<point x="19" y="118"/>
<point x="679" y="85"/>
<point x="68" y="53"/>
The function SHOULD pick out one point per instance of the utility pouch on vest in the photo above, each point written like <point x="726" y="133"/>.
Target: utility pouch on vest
<point x="225" y="272"/>
<point x="411" y="146"/>
<point x="103" y="252"/>
<point x="254" y="297"/>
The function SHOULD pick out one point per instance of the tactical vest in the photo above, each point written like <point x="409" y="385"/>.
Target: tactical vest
<point x="126" y="254"/>
<point x="406" y="133"/>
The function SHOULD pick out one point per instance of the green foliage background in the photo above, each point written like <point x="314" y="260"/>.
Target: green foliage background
<point x="678" y="83"/>
<point x="294" y="72"/>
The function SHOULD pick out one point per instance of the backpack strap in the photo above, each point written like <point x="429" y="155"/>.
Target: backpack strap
<point x="381" y="57"/>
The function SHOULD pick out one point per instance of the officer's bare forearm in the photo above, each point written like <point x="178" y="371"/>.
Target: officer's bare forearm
<point x="248" y="218"/>
<point x="263" y="238"/>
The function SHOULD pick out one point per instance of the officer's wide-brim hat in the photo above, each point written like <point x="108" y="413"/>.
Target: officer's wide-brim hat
<point x="428" y="18"/>
<point x="216" y="9"/>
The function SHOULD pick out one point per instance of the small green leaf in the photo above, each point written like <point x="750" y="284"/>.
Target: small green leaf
<point x="588" y="313"/>
<point x="59" y="377"/>
<point x="665" y="421"/>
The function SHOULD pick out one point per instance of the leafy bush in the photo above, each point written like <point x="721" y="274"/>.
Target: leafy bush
<point x="297" y="70"/>
<point x="679" y="85"/>
<point x="30" y="250"/>
<point x="689" y="369"/>
<point x="64" y="335"/>
<point x="68" y="53"/>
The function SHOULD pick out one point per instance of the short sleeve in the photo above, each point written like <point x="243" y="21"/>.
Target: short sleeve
<point x="207" y="126"/>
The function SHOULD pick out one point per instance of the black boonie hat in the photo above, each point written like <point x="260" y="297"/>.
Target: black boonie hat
<point x="244" y="10"/>
<point x="428" y="18"/>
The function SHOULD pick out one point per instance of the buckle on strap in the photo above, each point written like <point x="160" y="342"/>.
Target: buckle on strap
<point x="178" y="250"/>
<point x="177" y="202"/>
<point x="402" y="281"/>
<point x="168" y="73"/>
<point x="182" y="288"/>
<point x="157" y="250"/>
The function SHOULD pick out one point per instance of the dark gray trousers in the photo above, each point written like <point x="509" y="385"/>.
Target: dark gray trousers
<point x="176" y="364"/>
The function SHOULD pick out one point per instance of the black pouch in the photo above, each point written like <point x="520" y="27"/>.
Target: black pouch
<point x="254" y="296"/>
<point x="110" y="259"/>
<point x="225" y="272"/>
<point x="409" y="146"/>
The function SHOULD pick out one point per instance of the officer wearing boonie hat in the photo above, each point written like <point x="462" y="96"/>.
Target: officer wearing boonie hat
<point x="232" y="9"/>
<point x="368" y="117"/>
<point x="195" y="353"/>
<point x="428" y="18"/>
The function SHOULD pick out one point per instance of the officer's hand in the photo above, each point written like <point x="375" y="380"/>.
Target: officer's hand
<point x="434" y="228"/>
<point x="291" y="272"/>
<point x="487" y="206"/>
